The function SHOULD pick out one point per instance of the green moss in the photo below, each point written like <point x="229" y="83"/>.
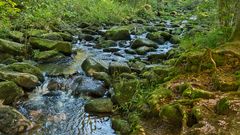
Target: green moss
<point x="12" y="47"/>
<point x="171" y="114"/>
<point x="118" y="33"/>
<point x="223" y="106"/>
<point x="9" y="92"/>
<point x="45" y="44"/>
<point x="159" y="97"/>
<point x="26" y="68"/>
<point x="47" y="56"/>
<point x="121" y="125"/>
<point x="197" y="93"/>
<point x="124" y="91"/>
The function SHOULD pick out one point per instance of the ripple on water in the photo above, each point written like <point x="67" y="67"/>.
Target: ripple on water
<point x="60" y="113"/>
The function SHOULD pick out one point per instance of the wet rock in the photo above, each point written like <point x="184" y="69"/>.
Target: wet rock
<point x="52" y="36"/>
<point x="167" y="36"/>
<point x="118" y="33"/>
<point x="47" y="56"/>
<point x="25" y="68"/>
<point x="171" y="114"/>
<point x="116" y="68"/>
<point x="9" y="92"/>
<point x="106" y="44"/>
<point x="16" y="36"/>
<point x="156" y="37"/>
<point x="86" y="37"/>
<point x="111" y="49"/>
<point x="223" y="106"/>
<point x="13" y="122"/>
<point x="24" y="80"/>
<point x="89" y="87"/>
<point x="53" y="85"/>
<point x="124" y="91"/>
<point x="91" y="65"/>
<point x="197" y="93"/>
<point x="45" y="44"/>
<point x="143" y="42"/>
<point x="103" y="77"/>
<point x="12" y="47"/>
<point x="121" y="125"/>
<point x="102" y="105"/>
<point x="144" y="50"/>
<point x="130" y="51"/>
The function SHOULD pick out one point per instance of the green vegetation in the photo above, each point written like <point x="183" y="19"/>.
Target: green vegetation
<point x="153" y="66"/>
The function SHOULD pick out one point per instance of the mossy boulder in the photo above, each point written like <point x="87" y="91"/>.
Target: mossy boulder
<point x="166" y="35"/>
<point x="105" y="44"/>
<point x="121" y="125"/>
<point x="45" y="44"/>
<point x="47" y="56"/>
<point x="9" y="92"/>
<point x="144" y="50"/>
<point x="102" y="105"/>
<point x="12" y="47"/>
<point x="156" y="37"/>
<point x="197" y="93"/>
<point x="137" y="43"/>
<point x="223" y="106"/>
<point x="91" y="65"/>
<point x="103" y="76"/>
<point x="13" y="122"/>
<point x="118" y="33"/>
<point x="116" y="68"/>
<point x="24" y="80"/>
<point x="16" y="36"/>
<point x="25" y="68"/>
<point x="225" y="82"/>
<point x="66" y="36"/>
<point x="124" y="91"/>
<point x="172" y="115"/>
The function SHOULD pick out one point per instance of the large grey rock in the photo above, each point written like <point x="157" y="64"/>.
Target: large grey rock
<point x="91" y="65"/>
<point x="143" y="42"/>
<point x="88" y="87"/>
<point x="103" y="105"/>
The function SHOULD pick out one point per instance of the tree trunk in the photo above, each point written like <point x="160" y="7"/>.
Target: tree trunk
<point x="236" y="31"/>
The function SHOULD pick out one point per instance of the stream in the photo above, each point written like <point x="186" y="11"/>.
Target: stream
<point x="60" y="112"/>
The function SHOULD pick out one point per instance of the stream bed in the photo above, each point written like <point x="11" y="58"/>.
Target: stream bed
<point x="59" y="111"/>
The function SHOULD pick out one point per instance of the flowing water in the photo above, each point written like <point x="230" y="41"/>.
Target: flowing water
<point x="59" y="112"/>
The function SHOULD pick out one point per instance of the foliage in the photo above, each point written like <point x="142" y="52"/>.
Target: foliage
<point x="209" y="39"/>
